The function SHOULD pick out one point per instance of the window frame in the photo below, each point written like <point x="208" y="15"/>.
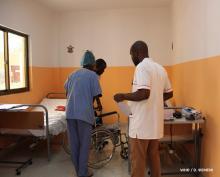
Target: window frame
<point x="7" y="90"/>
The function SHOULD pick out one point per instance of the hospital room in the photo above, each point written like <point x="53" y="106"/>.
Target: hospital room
<point x="109" y="88"/>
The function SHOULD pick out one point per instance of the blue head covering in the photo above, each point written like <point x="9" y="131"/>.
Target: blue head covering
<point x="88" y="59"/>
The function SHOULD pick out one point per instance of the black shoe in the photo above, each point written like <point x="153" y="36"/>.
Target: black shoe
<point x="90" y="174"/>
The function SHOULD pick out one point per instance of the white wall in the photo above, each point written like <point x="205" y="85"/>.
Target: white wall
<point x="110" y="33"/>
<point x="213" y="27"/>
<point x="195" y="29"/>
<point x="39" y="23"/>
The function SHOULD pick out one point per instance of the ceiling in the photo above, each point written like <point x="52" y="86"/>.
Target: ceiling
<point x="67" y="5"/>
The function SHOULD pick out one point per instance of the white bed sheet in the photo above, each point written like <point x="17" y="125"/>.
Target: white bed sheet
<point x="57" y="119"/>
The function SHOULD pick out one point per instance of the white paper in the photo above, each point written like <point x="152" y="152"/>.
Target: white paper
<point x="124" y="108"/>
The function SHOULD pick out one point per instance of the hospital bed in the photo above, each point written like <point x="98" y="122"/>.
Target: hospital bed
<point x="39" y="120"/>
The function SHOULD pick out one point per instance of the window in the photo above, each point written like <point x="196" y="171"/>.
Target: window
<point x="14" y="73"/>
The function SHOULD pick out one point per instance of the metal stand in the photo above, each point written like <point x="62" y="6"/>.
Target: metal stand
<point x="197" y="138"/>
<point x="10" y="148"/>
<point x="23" y="165"/>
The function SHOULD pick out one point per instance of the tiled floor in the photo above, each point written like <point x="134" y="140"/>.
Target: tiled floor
<point x="61" y="166"/>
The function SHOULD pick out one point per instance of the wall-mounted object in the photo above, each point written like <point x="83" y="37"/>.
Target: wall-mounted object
<point x="70" y="49"/>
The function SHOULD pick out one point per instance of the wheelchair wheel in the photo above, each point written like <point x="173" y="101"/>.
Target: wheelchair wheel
<point x="102" y="148"/>
<point x="65" y="143"/>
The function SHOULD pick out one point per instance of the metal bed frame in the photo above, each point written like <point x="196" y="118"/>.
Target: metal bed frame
<point x="45" y="110"/>
<point x="47" y="122"/>
<point x="24" y="164"/>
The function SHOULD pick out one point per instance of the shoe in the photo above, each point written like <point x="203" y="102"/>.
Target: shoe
<point x="90" y="174"/>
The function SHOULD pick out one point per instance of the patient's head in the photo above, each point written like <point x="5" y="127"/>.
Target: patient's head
<point x="88" y="60"/>
<point x="100" y="66"/>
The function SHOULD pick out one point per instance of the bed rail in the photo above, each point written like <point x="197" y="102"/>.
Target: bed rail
<point x="56" y="95"/>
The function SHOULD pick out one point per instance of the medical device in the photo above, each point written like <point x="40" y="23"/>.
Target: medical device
<point x="190" y="113"/>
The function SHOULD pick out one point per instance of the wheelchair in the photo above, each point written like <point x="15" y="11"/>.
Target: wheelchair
<point x="104" y="140"/>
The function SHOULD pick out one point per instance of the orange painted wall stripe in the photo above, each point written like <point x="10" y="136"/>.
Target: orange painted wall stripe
<point x="114" y="80"/>
<point x="45" y="80"/>
<point x="197" y="84"/>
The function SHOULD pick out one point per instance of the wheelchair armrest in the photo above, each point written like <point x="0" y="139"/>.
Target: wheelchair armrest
<point x="107" y="114"/>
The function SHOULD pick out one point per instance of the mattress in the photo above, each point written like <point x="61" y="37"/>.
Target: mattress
<point x="57" y="119"/>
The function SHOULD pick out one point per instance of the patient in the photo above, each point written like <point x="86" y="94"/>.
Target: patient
<point x="100" y="66"/>
<point x="99" y="69"/>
